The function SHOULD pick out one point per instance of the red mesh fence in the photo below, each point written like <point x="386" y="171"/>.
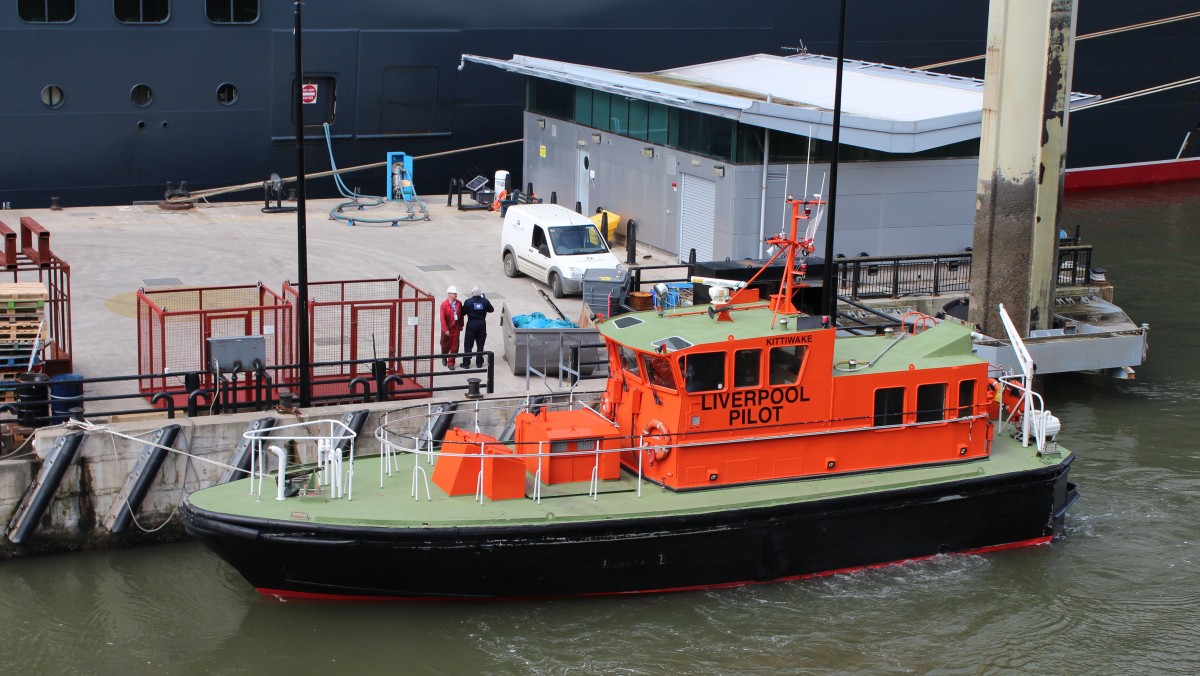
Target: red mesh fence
<point x="377" y="319"/>
<point x="174" y="326"/>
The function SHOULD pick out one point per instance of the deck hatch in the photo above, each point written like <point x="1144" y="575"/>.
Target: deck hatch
<point x="626" y="322"/>
<point x="672" y="343"/>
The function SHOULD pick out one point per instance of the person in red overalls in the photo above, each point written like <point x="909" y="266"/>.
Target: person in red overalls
<point x="452" y="323"/>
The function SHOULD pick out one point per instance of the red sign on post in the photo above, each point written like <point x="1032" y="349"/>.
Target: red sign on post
<point x="308" y="93"/>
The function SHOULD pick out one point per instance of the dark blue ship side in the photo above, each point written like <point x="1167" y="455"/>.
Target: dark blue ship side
<point x="104" y="111"/>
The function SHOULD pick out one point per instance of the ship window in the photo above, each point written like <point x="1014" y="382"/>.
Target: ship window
<point x="583" y="106"/>
<point x="704" y="371"/>
<point x="231" y="11"/>
<point x="658" y="371"/>
<point x="629" y="361"/>
<point x="52" y="96"/>
<point x="141" y="11"/>
<point x="141" y="95"/>
<point x="966" y="397"/>
<point x="746" y="367"/>
<point x="786" y="363"/>
<point x="931" y="402"/>
<point x="227" y="93"/>
<point x="46" y="11"/>
<point x="889" y="406"/>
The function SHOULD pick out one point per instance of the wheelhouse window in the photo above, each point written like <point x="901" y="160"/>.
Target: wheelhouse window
<point x="966" y="398"/>
<point x="785" y="364"/>
<point x="703" y="372"/>
<point x="931" y="402"/>
<point x="231" y="11"/>
<point x="141" y="11"/>
<point x="747" y="365"/>
<point x="629" y="360"/>
<point x="46" y="11"/>
<point x="889" y="406"/>
<point x="658" y="371"/>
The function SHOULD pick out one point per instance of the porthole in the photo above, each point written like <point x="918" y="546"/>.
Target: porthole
<point x="52" y="96"/>
<point x="141" y="95"/>
<point x="227" y="94"/>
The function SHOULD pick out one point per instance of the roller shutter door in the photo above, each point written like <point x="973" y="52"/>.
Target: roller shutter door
<point x="697" y="218"/>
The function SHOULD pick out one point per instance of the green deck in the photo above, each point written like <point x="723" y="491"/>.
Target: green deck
<point x="393" y="506"/>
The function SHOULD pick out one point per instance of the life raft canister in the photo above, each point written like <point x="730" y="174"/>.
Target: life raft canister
<point x="654" y="439"/>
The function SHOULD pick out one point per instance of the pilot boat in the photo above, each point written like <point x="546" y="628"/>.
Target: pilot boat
<point x="736" y="442"/>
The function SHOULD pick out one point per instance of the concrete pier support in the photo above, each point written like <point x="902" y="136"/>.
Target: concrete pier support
<point x="1022" y="158"/>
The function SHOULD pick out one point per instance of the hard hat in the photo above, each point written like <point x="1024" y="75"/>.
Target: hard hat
<point x="453" y="289"/>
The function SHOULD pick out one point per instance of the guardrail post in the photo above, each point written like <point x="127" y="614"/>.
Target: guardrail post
<point x="554" y="197"/>
<point x="379" y="372"/>
<point x="631" y="242"/>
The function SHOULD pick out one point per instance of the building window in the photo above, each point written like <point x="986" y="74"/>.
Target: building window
<point x="141" y="95"/>
<point x="46" y="11"/>
<point x="227" y="94"/>
<point x="141" y="11"/>
<point x="52" y="96"/>
<point x="966" y="398"/>
<point x="231" y="11"/>
<point x="889" y="406"/>
<point x="931" y="402"/>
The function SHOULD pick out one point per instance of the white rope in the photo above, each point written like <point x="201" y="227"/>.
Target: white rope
<point x="92" y="427"/>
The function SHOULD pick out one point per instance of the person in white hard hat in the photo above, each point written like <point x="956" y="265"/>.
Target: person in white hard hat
<point x="452" y="323"/>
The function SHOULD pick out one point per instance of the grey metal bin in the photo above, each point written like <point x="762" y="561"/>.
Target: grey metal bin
<point x="542" y="348"/>
<point x="604" y="290"/>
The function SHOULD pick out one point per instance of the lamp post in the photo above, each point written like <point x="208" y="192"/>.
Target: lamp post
<point x="827" y="282"/>
<point x="301" y="228"/>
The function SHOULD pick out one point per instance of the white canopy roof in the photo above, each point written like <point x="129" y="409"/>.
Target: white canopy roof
<point x="885" y="108"/>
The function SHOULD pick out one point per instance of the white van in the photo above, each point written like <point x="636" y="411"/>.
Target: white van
<point x="554" y="244"/>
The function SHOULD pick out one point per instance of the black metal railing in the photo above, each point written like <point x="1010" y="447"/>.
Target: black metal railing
<point x="35" y="404"/>
<point x="933" y="275"/>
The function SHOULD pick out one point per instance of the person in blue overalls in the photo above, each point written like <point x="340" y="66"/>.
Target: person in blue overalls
<point x="476" y="310"/>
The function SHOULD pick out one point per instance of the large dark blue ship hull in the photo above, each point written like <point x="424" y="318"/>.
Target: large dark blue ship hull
<point x="390" y="83"/>
<point x="651" y="554"/>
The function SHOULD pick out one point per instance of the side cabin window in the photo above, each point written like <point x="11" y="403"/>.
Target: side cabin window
<point x="747" y="366"/>
<point x="231" y="11"/>
<point x="46" y="11"/>
<point x="141" y="11"/>
<point x="658" y="371"/>
<point x="931" y="402"/>
<point x="629" y="360"/>
<point x="889" y="406"/>
<point x="703" y="372"/>
<point x="966" y="398"/>
<point x="539" y="241"/>
<point x="786" y="363"/>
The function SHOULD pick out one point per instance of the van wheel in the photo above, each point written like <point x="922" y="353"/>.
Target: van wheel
<point x="510" y="265"/>
<point x="556" y="285"/>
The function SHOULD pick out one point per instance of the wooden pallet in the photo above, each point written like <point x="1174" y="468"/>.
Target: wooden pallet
<point x="23" y="298"/>
<point x="25" y="332"/>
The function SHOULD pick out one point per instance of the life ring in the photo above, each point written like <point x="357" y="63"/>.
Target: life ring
<point x="496" y="205"/>
<point x="606" y="405"/>
<point x="654" y="438"/>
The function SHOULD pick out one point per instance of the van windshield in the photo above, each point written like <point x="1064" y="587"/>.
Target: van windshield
<point x="573" y="240"/>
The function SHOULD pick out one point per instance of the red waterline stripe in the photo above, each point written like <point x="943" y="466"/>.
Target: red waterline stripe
<point x="282" y="593"/>
<point x="1141" y="173"/>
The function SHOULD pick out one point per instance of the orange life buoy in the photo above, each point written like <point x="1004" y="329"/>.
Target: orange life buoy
<point x="655" y="433"/>
<point x="496" y="205"/>
<point x="605" y="404"/>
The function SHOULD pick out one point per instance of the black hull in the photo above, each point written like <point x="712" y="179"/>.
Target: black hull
<point x="641" y="555"/>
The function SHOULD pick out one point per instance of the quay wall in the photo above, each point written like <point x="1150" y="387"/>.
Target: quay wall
<point x="89" y="490"/>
